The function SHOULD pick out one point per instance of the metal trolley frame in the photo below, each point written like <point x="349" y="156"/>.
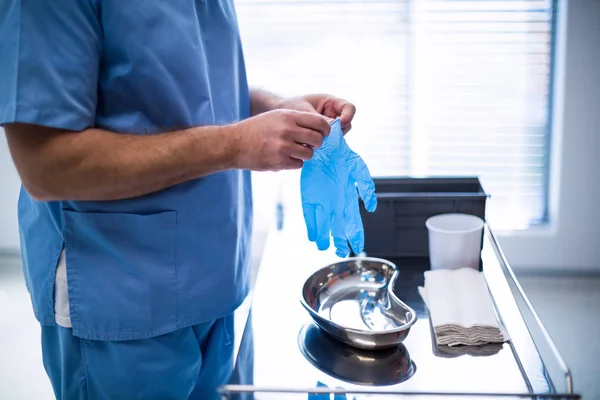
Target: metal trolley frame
<point x="271" y="365"/>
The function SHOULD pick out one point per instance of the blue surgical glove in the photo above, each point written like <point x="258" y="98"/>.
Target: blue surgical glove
<point x="322" y="181"/>
<point x="329" y="184"/>
<point x="359" y="182"/>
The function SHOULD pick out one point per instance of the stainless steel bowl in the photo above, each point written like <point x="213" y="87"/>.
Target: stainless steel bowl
<point x="350" y="301"/>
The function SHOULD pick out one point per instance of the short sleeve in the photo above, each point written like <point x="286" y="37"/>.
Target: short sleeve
<point x="49" y="62"/>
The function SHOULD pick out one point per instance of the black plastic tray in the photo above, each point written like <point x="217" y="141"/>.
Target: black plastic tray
<point x="397" y="228"/>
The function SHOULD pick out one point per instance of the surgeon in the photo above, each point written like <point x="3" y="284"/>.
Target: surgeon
<point x="133" y="130"/>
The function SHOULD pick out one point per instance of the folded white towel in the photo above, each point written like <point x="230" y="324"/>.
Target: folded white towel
<point x="461" y="308"/>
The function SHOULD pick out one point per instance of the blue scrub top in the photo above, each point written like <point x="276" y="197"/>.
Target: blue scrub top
<point x="144" y="266"/>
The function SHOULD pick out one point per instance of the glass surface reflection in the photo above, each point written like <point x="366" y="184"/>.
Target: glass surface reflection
<point x="357" y="366"/>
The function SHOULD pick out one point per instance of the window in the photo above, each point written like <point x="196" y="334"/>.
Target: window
<point x="442" y="87"/>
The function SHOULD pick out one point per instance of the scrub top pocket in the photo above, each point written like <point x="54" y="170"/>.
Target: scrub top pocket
<point x="121" y="273"/>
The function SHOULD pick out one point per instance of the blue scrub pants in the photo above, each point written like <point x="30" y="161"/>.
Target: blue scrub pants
<point x="189" y="363"/>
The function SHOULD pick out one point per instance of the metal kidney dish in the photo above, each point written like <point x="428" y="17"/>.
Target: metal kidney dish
<point x="350" y="301"/>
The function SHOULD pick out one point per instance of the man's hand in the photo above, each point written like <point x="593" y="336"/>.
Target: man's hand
<point x="329" y="106"/>
<point x="326" y="105"/>
<point x="279" y="139"/>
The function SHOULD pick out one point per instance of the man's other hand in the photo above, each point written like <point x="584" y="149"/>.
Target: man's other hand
<point x="329" y="106"/>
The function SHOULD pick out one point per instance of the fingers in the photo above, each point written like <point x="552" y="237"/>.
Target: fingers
<point x="338" y="231"/>
<point x="346" y="113"/>
<point x="342" y="109"/>
<point x="346" y="129"/>
<point x="300" y="152"/>
<point x="309" y="137"/>
<point x="341" y="246"/>
<point x="310" y="217"/>
<point x="319" y="225"/>
<point x="313" y="121"/>
<point x="294" y="163"/>
<point x="354" y="226"/>
<point x="356" y="236"/>
<point x="323" y="228"/>
<point x="364" y="182"/>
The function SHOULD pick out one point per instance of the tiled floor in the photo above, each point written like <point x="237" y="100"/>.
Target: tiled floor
<point x="568" y="305"/>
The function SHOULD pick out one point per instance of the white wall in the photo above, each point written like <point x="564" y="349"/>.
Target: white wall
<point x="9" y="192"/>
<point x="573" y="240"/>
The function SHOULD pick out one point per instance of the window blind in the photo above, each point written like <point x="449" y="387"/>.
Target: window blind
<point x="442" y="87"/>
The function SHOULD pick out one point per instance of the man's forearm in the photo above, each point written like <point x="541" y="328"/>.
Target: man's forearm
<point x="100" y="165"/>
<point x="262" y="101"/>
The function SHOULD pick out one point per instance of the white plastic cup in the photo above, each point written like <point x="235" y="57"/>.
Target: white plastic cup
<point x="454" y="241"/>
